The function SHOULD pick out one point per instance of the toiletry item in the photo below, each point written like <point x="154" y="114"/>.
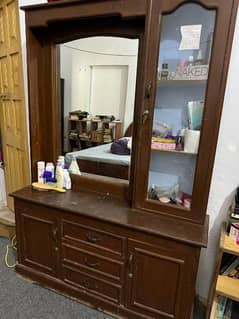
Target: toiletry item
<point x="67" y="179"/>
<point x="191" y="141"/>
<point x="50" y="168"/>
<point x="40" y="171"/>
<point x="164" y="200"/>
<point x="61" y="159"/>
<point x="195" y="114"/>
<point x="159" y="74"/>
<point x="181" y="64"/>
<point x="46" y="187"/>
<point x="179" y="143"/>
<point x="46" y="176"/>
<point x="209" y="48"/>
<point x="199" y="58"/>
<point x="74" y="168"/>
<point x="190" y="60"/>
<point x="164" y="72"/>
<point x="59" y="175"/>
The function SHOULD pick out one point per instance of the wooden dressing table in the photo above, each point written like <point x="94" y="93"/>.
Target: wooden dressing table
<point x="105" y="242"/>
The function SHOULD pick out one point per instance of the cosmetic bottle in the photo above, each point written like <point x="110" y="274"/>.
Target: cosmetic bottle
<point x="164" y="72"/>
<point x="50" y="168"/>
<point x="40" y="171"/>
<point x="61" y="159"/>
<point x="59" y="175"/>
<point x="199" y="59"/>
<point x="67" y="179"/>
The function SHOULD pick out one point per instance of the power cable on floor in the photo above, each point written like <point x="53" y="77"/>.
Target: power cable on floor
<point x="13" y="246"/>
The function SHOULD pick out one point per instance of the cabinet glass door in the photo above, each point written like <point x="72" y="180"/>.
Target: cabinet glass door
<point x="186" y="41"/>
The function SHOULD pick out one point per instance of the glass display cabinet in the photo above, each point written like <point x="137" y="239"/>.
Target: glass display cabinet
<point x="182" y="111"/>
<point x="129" y="245"/>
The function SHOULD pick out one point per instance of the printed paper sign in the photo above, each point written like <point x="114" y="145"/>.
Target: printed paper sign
<point x="191" y="35"/>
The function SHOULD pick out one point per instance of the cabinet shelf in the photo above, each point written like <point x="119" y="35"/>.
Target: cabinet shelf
<point x="172" y="151"/>
<point x="229" y="245"/>
<point x="228" y="287"/>
<point x="181" y="83"/>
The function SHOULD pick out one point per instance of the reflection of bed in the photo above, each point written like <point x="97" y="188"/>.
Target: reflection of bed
<point x="100" y="161"/>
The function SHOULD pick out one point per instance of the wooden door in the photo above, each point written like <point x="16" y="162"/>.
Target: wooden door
<point x="37" y="235"/>
<point x="12" y="103"/>
<point x="160" y="280"/>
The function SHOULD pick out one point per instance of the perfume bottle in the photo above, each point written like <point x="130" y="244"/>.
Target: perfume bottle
<point x="199" y="59"/>
<point x="164" y="72"/>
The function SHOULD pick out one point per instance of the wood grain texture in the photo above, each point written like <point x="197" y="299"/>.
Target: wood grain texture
<point x="90" y="259"/>
<point x="228" y="287"/>
<point x="13" y="119"/>
<point x="230" y="246"/>
<point x="102" y="206"/>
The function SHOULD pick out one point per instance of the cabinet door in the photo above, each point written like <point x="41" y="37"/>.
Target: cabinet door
<point x="160" y="283"/>
<point x="187" y="59"/>
<point x="37" y="241"/>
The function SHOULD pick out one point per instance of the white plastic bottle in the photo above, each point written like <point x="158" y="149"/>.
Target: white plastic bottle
<point x="67" y="179"/>
<point x="40" y="171"/>
<point x="61" y="159"/>
<point x="50" y="168"/>
<point x="59" y="175"/>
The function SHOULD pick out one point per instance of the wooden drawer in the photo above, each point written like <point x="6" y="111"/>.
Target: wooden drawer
<point x="91" y="284"/>
<point x="92" y="262"/>
<point x="93" y="237"/>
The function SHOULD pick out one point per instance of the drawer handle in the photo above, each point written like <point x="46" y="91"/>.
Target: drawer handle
<point x="90" y="238"/>
<point x="92" y="265"/>
<point x="88" y="285"/>
<point x="131" y="265"/>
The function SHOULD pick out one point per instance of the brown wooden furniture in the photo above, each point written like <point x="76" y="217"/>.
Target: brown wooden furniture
<point x="105" y="242"/>
<point x="223" y="285"/>
<point x="121" y="261"/>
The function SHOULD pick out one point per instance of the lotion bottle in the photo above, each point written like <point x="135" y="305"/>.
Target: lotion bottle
<point x="67" y="179"/>
<point x="59" y="175"/>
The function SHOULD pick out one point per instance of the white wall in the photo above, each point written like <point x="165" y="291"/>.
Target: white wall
<point x="99" y="52"/>
<point x="226" y="171"/>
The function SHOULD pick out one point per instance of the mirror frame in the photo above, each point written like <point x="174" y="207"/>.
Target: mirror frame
<point x="54" y="23"/>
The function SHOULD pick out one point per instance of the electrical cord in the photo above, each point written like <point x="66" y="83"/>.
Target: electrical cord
<point x="13" y="246"/>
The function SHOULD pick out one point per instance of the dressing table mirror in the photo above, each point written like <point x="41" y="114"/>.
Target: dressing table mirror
<point x="98" y="82"/>
<point x="125" y="241"/>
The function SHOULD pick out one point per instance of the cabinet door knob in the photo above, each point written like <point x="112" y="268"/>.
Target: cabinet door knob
<point x="145" y="116"/>
<point x="55" y="230"/>
<point x="148" y="90"/>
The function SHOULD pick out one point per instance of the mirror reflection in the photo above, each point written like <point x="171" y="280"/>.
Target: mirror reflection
<point x="98" y="81"/>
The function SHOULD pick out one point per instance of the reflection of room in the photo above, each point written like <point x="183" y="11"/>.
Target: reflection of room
<point x="99" y="77"/>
